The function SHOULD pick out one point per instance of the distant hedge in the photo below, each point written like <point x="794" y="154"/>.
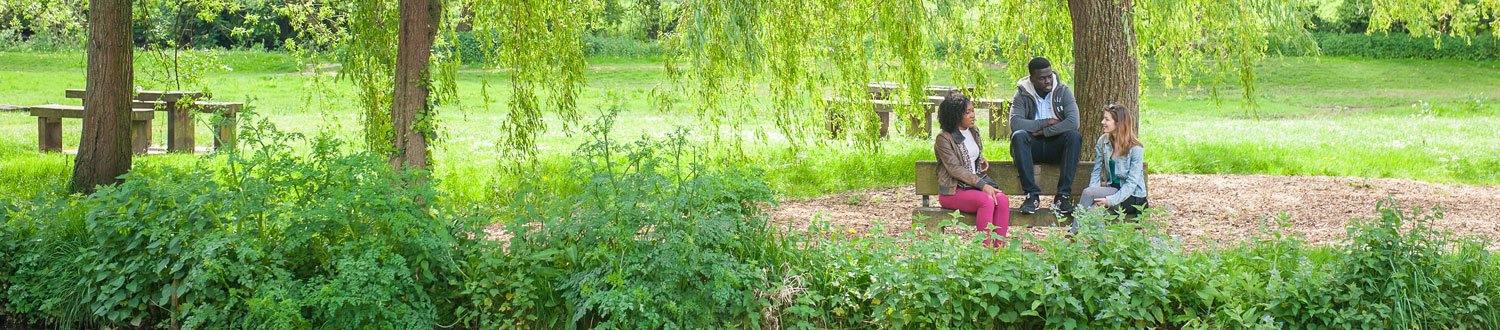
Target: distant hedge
<point x="472" y="49"/>
<point x="1482" y="48"/>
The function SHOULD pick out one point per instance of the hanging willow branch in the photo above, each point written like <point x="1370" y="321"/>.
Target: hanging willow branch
<point x="809" y="50"/>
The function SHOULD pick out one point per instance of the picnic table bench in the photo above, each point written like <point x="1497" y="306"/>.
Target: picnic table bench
<point x="882" y="109"/>
<point x="180" y="128"/>
<point x="880" y="98"/>
<point x="49" y="125"/>
<point x="1004" y="173"/>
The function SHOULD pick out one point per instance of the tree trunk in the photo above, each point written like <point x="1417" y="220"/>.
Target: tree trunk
<point x="409" y="104"/>
<point x="105" y="151"/>
<point x="1107" y="72"/>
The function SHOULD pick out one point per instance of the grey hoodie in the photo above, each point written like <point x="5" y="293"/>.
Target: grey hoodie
<point x="1023" y="109"/>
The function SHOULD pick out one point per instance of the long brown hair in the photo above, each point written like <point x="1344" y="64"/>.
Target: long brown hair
<point x="1124" y="136"/>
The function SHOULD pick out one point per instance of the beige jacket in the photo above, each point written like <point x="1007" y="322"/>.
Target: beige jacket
<point x="950" y="158"/>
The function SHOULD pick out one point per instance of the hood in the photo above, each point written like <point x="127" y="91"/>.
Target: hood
<point x="1025" y="85"/>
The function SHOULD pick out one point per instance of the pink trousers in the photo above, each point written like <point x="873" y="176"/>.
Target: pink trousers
<point x="985" y="210"/>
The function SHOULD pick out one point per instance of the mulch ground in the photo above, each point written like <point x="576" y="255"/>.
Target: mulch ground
<point x="1207" y="210"/>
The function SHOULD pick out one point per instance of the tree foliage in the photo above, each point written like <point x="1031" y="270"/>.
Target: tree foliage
<point x="808" y="49"/>
<point x="1456" y="18"/>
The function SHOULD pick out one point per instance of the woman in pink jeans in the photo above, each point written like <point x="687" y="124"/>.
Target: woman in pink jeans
<point x="962" y="183"/>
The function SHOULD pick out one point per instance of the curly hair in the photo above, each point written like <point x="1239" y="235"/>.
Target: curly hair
<point x="951" y="112"/>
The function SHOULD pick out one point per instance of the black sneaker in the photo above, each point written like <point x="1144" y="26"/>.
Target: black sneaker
<point x="1062" y="204"/>
<point x="1032" y="202"/>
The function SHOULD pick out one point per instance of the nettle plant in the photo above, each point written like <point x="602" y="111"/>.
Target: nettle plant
<point x="651" y="239"/>
<point x="272" y="236"/>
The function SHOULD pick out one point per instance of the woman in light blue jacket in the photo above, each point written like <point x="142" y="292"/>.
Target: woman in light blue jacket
<point x="1118" y="181"/>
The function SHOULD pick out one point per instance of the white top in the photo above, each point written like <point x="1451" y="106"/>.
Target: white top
<point x="971" y="149"/>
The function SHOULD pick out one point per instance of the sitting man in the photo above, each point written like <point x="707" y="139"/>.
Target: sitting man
<point x="1044" y="129"/>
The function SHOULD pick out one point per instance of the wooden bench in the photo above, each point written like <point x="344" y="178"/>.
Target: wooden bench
<point x="1004" y="173"/>
<point x="881" y="94"/>
<point x="882" y="109"/>
<point x="180" y="128"/>
<point x="49" y="126"/>
<point x="997" y="109"/>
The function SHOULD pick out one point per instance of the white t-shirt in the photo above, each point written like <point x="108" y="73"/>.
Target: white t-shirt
<point x="970" y="148"/>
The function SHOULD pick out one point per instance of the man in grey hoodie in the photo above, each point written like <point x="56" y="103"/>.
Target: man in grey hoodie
<point x="1044" y="129"/>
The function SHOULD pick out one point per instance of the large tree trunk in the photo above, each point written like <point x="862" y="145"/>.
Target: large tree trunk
<point x="419" y="19"/>
<point x="1107" y="70"/>
<point x="105" y="151"/>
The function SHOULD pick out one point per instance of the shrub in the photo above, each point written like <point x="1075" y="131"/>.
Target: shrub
<point x="1397" y="45"/>
<point x="652" y="239"/>
<point x="274" y="237"/>
<point x="472" y="49"/>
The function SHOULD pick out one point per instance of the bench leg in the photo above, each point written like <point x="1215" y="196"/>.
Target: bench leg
<point x="179" y="128"/>
<point x="224" y="131"/>
<point x="885" y="123"/>
<point x="140" y="135"/>
<point x="49" y="134"/>
<point x="997" y="125"/>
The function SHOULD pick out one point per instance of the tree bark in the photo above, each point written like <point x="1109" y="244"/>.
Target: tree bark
<point x="1107" y="70"/>
<point x="409" y="104"/>
<point x="105" y="151"/>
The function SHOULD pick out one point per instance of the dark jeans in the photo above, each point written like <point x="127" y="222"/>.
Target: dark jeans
<point x="1063" y="150"/>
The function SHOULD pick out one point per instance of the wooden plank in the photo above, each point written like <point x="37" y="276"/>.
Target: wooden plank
<point x="75" y="111"/>
<point x="140" y="135"/>
<point x="226" y="119"/>
<point x="881" y="90"/>
<point x="999" y="111"/>
<point x="180" y="135"/>
<point x="927" y="178"/>
<point x="1004" y="173"/>
<point x="49" y="134"/>
<point x="168" y="96"/>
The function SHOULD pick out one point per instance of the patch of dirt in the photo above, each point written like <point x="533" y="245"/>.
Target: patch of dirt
<point x="1206" y="210"/>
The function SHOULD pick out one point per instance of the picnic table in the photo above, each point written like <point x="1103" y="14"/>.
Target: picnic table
<point x="49" y="126"/>
<point x="180" y="128"/>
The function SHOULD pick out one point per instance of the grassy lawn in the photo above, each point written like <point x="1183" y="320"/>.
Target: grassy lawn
<point x="1415" y="119"/>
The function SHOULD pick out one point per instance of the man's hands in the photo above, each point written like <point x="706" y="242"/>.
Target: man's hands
<point x="1050" y="122"/>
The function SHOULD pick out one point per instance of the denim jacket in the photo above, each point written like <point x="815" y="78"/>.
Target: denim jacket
<point x="1130" y="168"/>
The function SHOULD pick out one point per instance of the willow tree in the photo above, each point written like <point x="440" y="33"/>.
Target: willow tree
<point x="410" y="106"/>
<point x="1455" y="18"/>
<point x="813" y="48"/>
<point x="401" y="57"/>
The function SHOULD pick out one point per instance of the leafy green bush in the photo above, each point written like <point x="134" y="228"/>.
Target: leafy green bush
<point x="597" y="45"/>
<point x="472" y="49"/>
<point x="641" y="235"/>
<point x="271" y="238"/>
<point x="1398" y="45"/>
<point x="652" y="239"/>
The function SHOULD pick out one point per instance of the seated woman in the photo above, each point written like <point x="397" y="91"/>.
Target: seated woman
<point x="1118" y="181"/>
<point x="962" y="184"/>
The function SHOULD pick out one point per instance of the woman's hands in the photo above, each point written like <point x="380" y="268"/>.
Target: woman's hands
<point x="991" y="191"/>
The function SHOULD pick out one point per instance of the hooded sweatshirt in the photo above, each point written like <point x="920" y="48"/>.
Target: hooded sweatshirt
<point x="1023" y="109"/>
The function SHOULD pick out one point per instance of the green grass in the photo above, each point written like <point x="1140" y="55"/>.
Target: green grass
<point x="1415" y="119"/>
